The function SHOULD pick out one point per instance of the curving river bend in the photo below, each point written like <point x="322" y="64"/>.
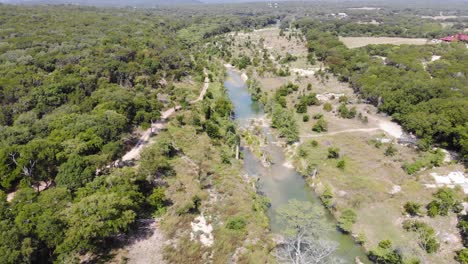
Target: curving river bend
<point x="278" y="182"/>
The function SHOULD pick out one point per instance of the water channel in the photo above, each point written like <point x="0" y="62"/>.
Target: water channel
<point x="278" y="182"/>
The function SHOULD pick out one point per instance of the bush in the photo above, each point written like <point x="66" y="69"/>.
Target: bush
<point x="462" y="256"/>
<point x="314" y="143"/>
<point x="344" y="112"/>
<point x="320" y="126"/>
<point x="390" y="151"/>
<point x="236" y="223"/>
<point x="341" y="164"/>
<point x="333" y="153"/>
<point x="327" y="107"/>
<point x="385" y="254"/>
<point x="305" y="118"/>
<point x="346" y="220"/>
<point x="327" y="197"/>
<point x="446" y="200"/>
<point x="343" y="99"/>
<point x="426" y="235"/>
<point x="412" y="208"/>
<point x="318" y="116"/>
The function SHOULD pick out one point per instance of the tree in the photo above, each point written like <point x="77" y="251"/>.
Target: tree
<point x="303" y="227"/>
<point x="74" y="173"/>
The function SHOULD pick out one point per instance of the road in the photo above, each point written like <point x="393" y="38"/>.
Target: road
<point x="144" y="140"/>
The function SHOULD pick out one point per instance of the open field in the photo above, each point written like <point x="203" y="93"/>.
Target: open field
<point x="356" y="42"/>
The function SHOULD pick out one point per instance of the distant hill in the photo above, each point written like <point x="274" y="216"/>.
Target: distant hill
<point x="115" y="3"/>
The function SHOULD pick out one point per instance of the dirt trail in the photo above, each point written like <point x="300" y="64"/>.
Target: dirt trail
<point x="342" y="131"/>
<point x="144" y="140"/>
<point x="148" y="247"/>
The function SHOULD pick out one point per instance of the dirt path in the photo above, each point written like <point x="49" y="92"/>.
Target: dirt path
<point x="144" y="140"/>
<point x="147" y="248"/>
<point x="342" y="131"/>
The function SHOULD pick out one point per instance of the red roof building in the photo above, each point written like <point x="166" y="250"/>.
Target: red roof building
<point x="457" y="37"/>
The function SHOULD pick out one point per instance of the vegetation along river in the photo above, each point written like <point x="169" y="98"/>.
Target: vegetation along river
<point x="278" y="182"/>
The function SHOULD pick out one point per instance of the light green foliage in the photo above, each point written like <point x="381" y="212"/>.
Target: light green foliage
<point x="320" y="125"/>
<point x="462" y="256"/>
<point x="284" y="121"/>
<point x="236" y="223"/>
<point x="157" y="199"/>
<point x="429" y="160"/>
<point x="426" y="235"/>
<point x="327" y="197"/>
<point x="346" y="220"/>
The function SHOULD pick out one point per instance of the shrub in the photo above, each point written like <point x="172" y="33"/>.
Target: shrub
<point x="390" y="151"/>
<point x="327" y="107"/>
<point x="318" y="116"/>
<point x="236" y="223"/>
<point x="426" y="235"/>
<point x="314" y="143"/>
<point x="341" y="164"/>
<point x="385" y="254"/>
<point x="412" y="208"/>
<point x="433" y="208"/>
<point x="305" y="118"/>
<point x="462" y="256"/>
<point x="327" y="197"/>
<point x="320" y="126"/>
<point x="333" y="153"/>
<point x="346" y="220"/>
<point x="344" y="112"/>
<point x="343" y="99"/>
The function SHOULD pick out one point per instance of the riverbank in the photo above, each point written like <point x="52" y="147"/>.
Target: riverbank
<point x="367" y="176"/>
<point x="278" y="181"/>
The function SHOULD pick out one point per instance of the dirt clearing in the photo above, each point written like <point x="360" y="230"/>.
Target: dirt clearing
<point x="357" y="42"/>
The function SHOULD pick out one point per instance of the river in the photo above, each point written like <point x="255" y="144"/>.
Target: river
<point x="278" y="182"/>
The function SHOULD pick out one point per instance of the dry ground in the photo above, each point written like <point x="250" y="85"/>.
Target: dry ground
<point x="356" y="42"/>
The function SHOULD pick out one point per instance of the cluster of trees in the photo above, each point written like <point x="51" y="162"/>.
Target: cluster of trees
<point x="72" y="89"/>
<point x="429" y="101"/>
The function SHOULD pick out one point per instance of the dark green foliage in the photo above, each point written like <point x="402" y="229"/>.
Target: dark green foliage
<point x="305" y="118"/>
<point x="412" y="208"/>
<point x="341" y="164"/>
<point x="305" y="101"/>
<point x="333" y="153"/>
<point x="385" y="254"/>
<point x="344" y="112"/>
<point x="445" y="200"/>
<point x="347" y="219"/>
<point x="236" y="223"/>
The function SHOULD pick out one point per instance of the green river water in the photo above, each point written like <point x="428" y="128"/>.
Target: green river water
<point x="278" y="182"/>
